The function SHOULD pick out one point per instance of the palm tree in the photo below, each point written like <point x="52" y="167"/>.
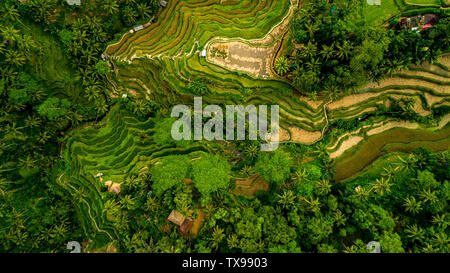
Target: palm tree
<point x="246" y="170"/>
<point x="339" y="218"/>
<point x="313" y="204"/>
<point x="43" y="137"/>
<point x="15" y="58"/>
<point x="13" y="130"/>
<point x="217" y="237"/>
<point x="415" y="233"/>
<point x="308" y="11"/>
<point x="75" y="118"/>
<point x="287" y="199"/>
<point x="382" y="186"/>
<point x="323" y="186"/>
<point x="440" y="221"/>
<point x="79" y="196"/>
<point x="10" y="12"/>
<point x="351" y="249"/>
<point x="311" y="29"/>
<point x="428" y="196"/>
<point x="344" y="50"/>
<point x="27" y="162"/>
<point x="327" y="52"/>
<point x="308" y="50"/>
<point x="110" y="6"/>
<point x="388" y="172"/>
<point x="428" y="249"/>
<point x="144" y="10"/>
<point x="130" y="15"/>
<point x="322" y="150"/>
<point x="282" y="65"/>
<point x="412" y="206"/>
<point x="3" y="184"/>
<point x="251" y="151"/>
<point x="10" y="33"/>
<point x="92" y="92"/>
<point x="130" y="2"/>
<point x="313" y="64"/>
<point x="300" y="175"/>
<point x="102" y="108"/>
<point x="232" y="241"/>
<point x="141" y="106"/>
<point x="42" y="10"/>
<point x="440" y="240"/>
<point x="32" y="121"/>
<point x="2" y="48"/>
<point x="362" y="193"/>
<point x="126" y="202"/>
<point x="409" y="163"/>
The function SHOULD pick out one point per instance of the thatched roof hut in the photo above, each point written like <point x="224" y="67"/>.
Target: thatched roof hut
<point x="185" y="223"/>
<point x="176" y="218"/>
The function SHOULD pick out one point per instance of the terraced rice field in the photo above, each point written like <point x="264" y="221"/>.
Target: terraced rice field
<point x="121" y="148"/>
<point x="159" y="62"/>
<point x="143" y="70"/>
<point x="398" y="139"/>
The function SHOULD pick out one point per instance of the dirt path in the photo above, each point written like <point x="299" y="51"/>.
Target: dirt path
<point x="198" y="222"/>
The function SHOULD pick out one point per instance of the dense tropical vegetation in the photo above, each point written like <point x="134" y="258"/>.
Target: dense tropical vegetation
<point x="74" y="119"/>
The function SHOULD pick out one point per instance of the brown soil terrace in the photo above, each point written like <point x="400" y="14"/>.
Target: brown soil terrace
<point x="251" y="56"/>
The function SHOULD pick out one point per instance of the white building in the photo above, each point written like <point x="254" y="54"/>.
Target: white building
<point x="74" y="2"/>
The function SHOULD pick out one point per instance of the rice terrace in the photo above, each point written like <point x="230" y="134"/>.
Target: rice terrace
<point x="87" y="155"/>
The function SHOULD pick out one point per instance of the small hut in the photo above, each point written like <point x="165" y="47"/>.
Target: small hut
<point x="138" y="27"/>
<point x="163" y="3"/>
<point x="185" y="223"/>
<point x="98" y="175"/>
<point x="113" y="187"/>
<point x="430" y="19"/>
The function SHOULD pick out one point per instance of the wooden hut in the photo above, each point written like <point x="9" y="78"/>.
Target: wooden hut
<point x="185" y="223"/>
<point x="430" y="19"/>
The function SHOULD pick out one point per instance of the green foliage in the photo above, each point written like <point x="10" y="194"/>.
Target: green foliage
<point x="163" y="134"/>
<point x="282" y="66"/>
<point x="344" y="50"/>
<point x="198" y="88"/>
<point x="52" y="79"/>
<point x="210" y="174"/>
<point x="102" y="67"/>
<point x="274" y="166"/>
<point x="169" y="172"/>
<point x="53" y="108"/>
<point x="391" y="243"/>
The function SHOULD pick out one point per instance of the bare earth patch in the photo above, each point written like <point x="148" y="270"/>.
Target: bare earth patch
<point x="393" y="124"/>
<point x="198" y="222"/>
<point x="248" y="187"/>
<point x="299" y="135"/>
<point x="250" y="56"/>
<point x="346" y="144"/>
